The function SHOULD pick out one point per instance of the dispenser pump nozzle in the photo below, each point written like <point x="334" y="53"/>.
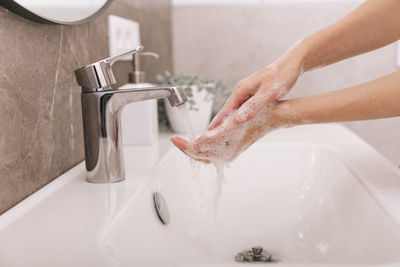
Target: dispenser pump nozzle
<point x="138" y="75"/>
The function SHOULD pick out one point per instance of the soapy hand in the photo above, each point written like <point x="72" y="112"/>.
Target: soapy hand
<point x="225" y="142"/>
<point x="248" y="114"/>
<point x="261" y="88"/>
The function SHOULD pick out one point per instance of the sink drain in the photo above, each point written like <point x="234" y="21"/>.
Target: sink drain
<point x="160" y="205"/>
<point x="256" y="254"/>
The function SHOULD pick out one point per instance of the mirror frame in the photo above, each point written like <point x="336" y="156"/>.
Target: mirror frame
<point x="26" y="13"/>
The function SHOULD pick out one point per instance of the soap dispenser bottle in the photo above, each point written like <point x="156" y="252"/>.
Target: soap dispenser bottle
<point x="139" y="120"/>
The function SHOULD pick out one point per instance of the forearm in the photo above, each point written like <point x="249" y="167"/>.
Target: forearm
<point x="374" y="24"/>
<point x="373" y="100"/>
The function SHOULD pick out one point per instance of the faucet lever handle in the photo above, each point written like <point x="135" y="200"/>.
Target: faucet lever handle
<point x="112" y="60"/>
<point x="155" y="55"/>
<point x="99" y="75"/>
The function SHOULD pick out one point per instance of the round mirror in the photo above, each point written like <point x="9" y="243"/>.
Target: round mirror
<point x="67" y="12"/>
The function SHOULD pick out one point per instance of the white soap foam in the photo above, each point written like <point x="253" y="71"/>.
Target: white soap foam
<point x="225" y="142"/>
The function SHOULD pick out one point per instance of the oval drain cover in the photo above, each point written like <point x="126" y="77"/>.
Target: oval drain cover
<point x="161" y="208"/>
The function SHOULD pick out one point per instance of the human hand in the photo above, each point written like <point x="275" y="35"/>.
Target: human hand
<point x="225" y="142"/>
<point x="261" y="88"/>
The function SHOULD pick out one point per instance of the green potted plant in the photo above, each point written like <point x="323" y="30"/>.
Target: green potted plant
<point x="205" y="96"/>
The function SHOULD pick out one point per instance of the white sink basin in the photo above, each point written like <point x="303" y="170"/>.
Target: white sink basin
<point x="298" y="201"/>
<point x="315" y="195"/>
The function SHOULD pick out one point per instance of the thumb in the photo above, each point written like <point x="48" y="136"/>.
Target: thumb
<point x="254" y="104"/>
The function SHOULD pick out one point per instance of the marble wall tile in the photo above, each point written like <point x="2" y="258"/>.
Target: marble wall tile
<point x="41" y="127"/>
<point x="231" y="42"/>
<point x="159" y="8"/>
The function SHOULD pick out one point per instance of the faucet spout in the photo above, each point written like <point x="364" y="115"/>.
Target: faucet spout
<point x="175" y="95"/>
<point x="101" y="113"/>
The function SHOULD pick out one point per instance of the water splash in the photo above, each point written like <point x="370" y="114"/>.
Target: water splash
<point x="186" y="121"/>
<point x="212" y="207"/>
<point x="209" y="187"/>
<point x="220" y="179"/>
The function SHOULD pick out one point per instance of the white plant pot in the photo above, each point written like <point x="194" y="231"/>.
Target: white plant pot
<point x="200" y="118"/>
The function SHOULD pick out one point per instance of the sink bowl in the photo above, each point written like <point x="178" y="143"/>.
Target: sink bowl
<point x="310" y="196"/>
<point x="298" y="201"/>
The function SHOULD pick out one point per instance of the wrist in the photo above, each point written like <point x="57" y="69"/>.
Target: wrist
<point x="297" y="55"/>
<point x="284" y="114"/>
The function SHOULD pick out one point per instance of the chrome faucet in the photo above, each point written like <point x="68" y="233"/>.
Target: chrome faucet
<point x="101" y="113"/>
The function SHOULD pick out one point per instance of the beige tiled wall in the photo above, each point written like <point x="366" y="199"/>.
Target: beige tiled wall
<point x="41" y="127"/>
<point x="231" y="42"/>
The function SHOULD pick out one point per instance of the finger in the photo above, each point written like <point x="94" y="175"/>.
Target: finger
<point x="253" y="106"/>
<point x="187" y="148"/>
<point x="181" y="143"/>
<point x="220" y="117"/>
<point x="230" y="105"/>
<point x="238" y="97"/>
